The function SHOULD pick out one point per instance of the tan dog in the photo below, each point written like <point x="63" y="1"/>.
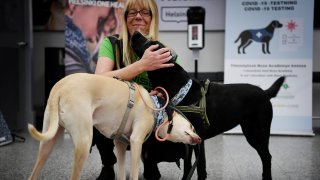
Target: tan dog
<point x="80" y="101"/>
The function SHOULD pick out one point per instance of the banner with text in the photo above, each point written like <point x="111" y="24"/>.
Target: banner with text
<point x="87" y="23"/>
<point x="265" y="40"/>
<point x="173" y="14"/>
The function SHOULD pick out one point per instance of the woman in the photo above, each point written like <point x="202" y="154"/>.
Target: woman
<point x="142" y="16"/>
<point x="85" y="25"/>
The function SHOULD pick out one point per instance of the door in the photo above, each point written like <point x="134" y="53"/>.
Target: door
<point x="15" y="62"/>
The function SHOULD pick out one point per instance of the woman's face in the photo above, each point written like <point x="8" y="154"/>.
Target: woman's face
<point x="138" y="21"/>
<point x="87" y="18"/>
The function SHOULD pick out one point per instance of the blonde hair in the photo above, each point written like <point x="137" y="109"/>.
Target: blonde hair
<point x="128" y="54"/>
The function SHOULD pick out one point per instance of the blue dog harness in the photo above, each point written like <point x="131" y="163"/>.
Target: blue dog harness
<point x="259" y="34"/>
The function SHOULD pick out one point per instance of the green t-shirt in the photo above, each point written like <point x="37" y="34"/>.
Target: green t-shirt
<point x="106" y="50"/>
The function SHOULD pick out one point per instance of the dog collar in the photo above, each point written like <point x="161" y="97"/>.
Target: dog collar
<point x="159" y="116"/>
<point x="182" y="93"/>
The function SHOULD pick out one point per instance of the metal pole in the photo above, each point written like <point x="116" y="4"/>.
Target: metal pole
<point x="195" y="55"/>
<point x="196" y="68"/>
<point x="25" y="114"/>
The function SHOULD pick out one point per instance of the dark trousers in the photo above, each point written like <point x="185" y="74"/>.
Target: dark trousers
<point x="105" y="147"/>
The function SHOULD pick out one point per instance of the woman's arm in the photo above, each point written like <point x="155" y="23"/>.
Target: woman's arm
<point x="151" y="60"/>
<point x="105" y="67"/>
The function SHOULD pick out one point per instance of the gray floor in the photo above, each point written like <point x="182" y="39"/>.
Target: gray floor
<point x="229" y="157"/>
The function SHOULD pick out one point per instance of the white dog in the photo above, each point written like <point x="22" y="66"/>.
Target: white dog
<point x="80" y="101"/>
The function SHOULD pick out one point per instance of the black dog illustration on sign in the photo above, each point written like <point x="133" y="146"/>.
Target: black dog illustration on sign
<point x="263" y="35"/>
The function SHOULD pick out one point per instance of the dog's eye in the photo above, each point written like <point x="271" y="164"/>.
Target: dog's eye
<point x="191" y="127"/>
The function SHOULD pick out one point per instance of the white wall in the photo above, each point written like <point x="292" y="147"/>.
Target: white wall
<point x="211" y="57"/>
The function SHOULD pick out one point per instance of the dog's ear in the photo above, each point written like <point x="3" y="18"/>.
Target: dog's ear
<point x="140" y="43"/>
<point x="137" y="43"/>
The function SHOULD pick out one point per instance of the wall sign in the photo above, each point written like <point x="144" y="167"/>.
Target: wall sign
<point x="173" y="14"/>
<point x="268" y="39"/>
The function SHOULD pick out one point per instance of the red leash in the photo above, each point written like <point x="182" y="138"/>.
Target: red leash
<point x="156" y="109"/>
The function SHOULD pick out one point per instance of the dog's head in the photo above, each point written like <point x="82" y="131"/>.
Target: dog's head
<point x="276" y="24"/>
<point x="181" y="131"/>
<point x="140" y="43"/>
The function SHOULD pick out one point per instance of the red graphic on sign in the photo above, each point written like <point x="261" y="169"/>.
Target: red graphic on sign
<point x="291" y="26"/>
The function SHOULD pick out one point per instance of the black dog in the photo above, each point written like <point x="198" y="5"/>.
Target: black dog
<point x="227" y="106"/>
<point x="263" y="35"/>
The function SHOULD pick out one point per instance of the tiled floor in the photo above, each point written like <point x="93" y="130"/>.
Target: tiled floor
<point x="229" y="157"/>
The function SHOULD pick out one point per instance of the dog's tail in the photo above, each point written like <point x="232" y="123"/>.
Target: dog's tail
<point x="53" y="121"/>
<point x="274" y="89"/>
<point x="237" y="40"/>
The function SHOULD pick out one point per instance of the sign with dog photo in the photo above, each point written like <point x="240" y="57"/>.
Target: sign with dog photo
<point x="268" y="39"/>
<point x="101" y="19"/>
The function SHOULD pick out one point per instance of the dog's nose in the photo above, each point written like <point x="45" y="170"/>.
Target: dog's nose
<point x="196" y="140"/>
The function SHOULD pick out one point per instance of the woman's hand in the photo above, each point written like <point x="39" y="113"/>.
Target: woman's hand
<point x="153" y="59"/>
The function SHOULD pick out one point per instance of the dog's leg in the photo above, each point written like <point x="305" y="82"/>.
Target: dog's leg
<point x="187" y="163"/>
<point x="140" y="131"/>
<point x="45" y="149"/>
<point x="121" y="158"/>
<point x="246" y="45"/>
<point x="201" y="166"/>
<point x="136" y="147"/>
<point x="246" y="40"/>
<point x="239" y="47"/>
<point x="263" y="48"/>
<point x="258" y="138"/>
<point x="81" y="151"/>
<point x="243" y="43"/>
<point x="267" y="47"/>
<point x="81" y="132"/>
